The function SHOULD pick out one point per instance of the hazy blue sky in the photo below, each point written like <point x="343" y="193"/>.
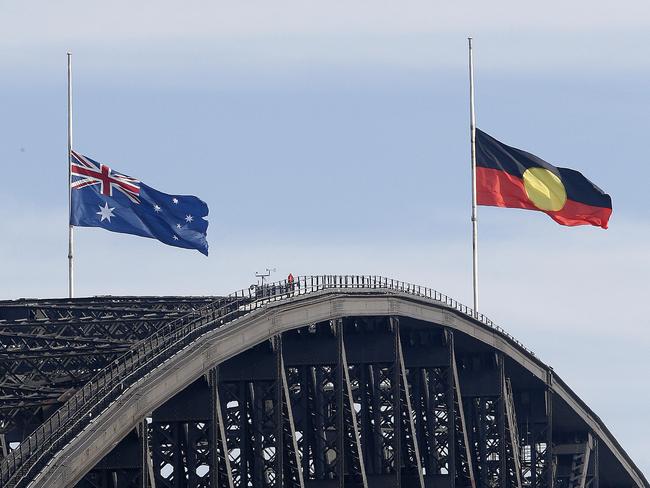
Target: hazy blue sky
<point x="332" y="137"/>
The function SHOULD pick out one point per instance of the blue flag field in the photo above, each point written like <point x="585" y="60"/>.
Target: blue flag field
<point x="102" y="197"/>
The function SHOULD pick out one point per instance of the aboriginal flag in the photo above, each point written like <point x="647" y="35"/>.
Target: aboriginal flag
<point x="509" y="177"/>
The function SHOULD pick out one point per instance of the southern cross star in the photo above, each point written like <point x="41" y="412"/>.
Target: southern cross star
<point x="175" y="238"/>
<point x="156" y="208"/>
<point x="175" y="200"/>
<point x="178" y="226"/>
<point x="189" y="218"/>
<point x="105" y="212"/>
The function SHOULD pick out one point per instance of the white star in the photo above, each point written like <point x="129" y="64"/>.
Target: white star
<point x="105" y="212"/>
<point x="174" y="200"/>
<point x="175" y="238"/>
<point x="156" y="207"/>
<point x="178" y="226"/>
<point x="189" y="218"/>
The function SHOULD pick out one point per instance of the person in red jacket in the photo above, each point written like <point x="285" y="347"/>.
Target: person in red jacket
<point x="290" y="282"/>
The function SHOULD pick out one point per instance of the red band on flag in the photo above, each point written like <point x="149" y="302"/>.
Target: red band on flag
<point x="497" y="188"/>
<point x="500" y="189"/>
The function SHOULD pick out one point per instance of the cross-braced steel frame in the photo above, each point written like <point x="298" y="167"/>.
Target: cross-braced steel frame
<point x="49" y="348"/>
<point x="354" y="401"/>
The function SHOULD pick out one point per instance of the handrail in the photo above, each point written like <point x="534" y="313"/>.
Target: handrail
<point x="96" y="395"/>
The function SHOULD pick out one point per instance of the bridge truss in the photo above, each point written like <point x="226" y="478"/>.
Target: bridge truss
<point x="354" y="400"/>
<point x="50" y="348"/>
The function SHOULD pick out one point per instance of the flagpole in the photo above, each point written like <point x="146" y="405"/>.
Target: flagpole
<point x="70" y="229"/>
<point x="472" y="129"/>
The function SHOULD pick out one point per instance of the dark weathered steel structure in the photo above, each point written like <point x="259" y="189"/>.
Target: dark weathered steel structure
<point x="329" y="381"/>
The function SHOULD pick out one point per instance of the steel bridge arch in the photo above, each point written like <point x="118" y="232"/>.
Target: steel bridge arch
<point x="192" y="348"/>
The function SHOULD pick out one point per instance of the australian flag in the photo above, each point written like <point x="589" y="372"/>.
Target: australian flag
<point x="102" y="197"/>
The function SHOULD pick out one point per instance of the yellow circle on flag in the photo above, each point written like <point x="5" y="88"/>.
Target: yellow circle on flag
<point x="544" y="189"/>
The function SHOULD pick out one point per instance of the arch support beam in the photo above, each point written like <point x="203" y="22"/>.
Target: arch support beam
<point x="513" y="431"/>
<point x="346" y="409"/>
<point x="286" y="409"/>
<point x="144" y="393"/>
<point x="407" y="400"/>
<point x="219" y="456"/>
<point x="459" y="411"/>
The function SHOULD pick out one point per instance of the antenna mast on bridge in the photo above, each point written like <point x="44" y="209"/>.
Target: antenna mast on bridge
<point x="265" y="275"/>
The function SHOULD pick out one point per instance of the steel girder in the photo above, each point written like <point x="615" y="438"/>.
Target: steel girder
<point x="96" y="306"/>
<point x="359" y="401"/>
<point x="49" y="348"/>
<point x="380" y="417"/>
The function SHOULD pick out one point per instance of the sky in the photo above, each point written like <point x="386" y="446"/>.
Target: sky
<point x="332" y="138"/>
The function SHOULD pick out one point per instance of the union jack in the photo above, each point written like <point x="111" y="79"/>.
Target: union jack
<point x="91" y="173"/>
